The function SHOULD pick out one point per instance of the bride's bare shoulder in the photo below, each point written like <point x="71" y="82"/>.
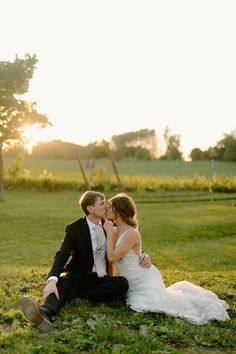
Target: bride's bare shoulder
<point x="134" y="233"/>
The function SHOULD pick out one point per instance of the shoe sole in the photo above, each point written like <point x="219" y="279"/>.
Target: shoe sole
<point x="32" y="313"/>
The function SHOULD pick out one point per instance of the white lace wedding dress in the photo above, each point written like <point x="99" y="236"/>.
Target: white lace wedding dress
<point x="147" y="293"/>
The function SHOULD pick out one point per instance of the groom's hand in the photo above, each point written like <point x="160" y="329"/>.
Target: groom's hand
<point x="50" y="288"/>
<point x="144" y="260"/>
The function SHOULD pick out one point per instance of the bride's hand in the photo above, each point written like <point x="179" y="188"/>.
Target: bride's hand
<point x="108" y="227"/>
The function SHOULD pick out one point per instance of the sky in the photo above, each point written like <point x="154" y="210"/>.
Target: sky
<point x="108" y="67"/>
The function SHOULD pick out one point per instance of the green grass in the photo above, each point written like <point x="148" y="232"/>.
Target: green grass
<point x="147" y="176"/>
<point x="195" y="241"/>
<point x="133" y="167"/>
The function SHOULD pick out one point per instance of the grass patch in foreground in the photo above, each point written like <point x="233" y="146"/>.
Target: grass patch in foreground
<point x="192" y="241"/>
<point x="82" y="327"/>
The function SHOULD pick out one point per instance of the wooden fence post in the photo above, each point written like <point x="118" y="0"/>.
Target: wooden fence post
<point x="110" y="154"/>
<point x="82" y="170"/>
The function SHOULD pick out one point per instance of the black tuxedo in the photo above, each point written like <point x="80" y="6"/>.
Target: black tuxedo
<point x="77" y="244"/>
<point x="75" y="277"/>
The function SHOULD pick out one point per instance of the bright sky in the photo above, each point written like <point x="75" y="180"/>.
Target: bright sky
<point x="107" y="67"/>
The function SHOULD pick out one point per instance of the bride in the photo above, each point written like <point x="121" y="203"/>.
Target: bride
<point x="147" y="291"/>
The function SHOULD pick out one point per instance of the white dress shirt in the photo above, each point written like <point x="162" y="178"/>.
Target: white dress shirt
<point x="92" y="230"/>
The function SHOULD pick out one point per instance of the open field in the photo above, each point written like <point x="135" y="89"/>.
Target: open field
<point x="133" y="167"/>
<point x="195" y="241"/>
<point x="52" y="175"/>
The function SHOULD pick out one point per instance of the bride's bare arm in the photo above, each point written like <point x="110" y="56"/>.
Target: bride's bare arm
<point x="130" y="240"/>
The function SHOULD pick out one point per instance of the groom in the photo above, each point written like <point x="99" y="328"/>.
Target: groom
<point x="87" y="274"/>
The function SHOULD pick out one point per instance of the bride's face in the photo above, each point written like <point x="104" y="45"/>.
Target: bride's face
<point x="110" y="213"/>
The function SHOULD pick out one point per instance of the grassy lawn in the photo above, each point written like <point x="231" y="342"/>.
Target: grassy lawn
<point x="195" y="241"/>
<point x="132" y="167"/>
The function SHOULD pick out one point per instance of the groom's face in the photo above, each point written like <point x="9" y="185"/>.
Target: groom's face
<point x="99" y="208"/>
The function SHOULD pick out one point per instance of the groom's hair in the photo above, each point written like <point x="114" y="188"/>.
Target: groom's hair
<point x="89" y="198"/>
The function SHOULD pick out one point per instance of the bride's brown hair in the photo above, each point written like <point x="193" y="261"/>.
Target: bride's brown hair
<point x="124" y="206"/>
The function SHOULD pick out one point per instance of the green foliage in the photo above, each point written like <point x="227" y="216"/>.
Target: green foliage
<point x="15" y="113"/>
<point x="194" y="241"/>
<point x="132" y="152"/>
<point x="141" y="144"/>
<point x="226" y="147"/>
<point x="104" y="181"/>
<point x="207" y="155"/>
<point x="54" y="149"/>
<point x="16" y="167"/>
<point x="54" y="175"/>
<point x="196" y="154"/>
<point x="172" y="146"/>
<point x="225" y="150"/>
<point x="131" y="167"/>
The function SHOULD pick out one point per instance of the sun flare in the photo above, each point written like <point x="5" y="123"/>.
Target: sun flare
<point x="32" y="135"/>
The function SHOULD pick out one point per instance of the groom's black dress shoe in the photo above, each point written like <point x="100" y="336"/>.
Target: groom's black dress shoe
<point x="36" y="314"/>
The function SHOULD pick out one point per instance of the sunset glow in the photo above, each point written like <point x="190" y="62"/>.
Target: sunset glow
<point x="29" y="137"/>
<point x="107" y="67"/>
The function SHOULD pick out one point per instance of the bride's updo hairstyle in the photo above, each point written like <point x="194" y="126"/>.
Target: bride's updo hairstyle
<point x="124" y="206"/>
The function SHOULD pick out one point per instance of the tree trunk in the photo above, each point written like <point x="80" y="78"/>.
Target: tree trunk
<point x="1" y="174"/>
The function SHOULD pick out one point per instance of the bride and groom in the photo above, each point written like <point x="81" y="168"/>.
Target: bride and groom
<point x="98" y="249"/>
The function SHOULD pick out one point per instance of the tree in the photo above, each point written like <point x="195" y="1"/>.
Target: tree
<point x="196" y="154"/>
<point x="138" y="144"/>
<point x="15" y="113"/>
<point x="15" y="150"/>
<point x="55" y="149"/>
<point x="172" y="146"/>
<point x="225" y="150"/>
<point x="226" y="147"/>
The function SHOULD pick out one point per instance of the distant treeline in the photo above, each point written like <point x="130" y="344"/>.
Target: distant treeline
<point x="225" y="150"/>
<point x="141" y="145"/>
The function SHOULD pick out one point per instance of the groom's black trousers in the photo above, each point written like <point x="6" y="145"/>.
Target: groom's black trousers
<point x="89" y="287"/>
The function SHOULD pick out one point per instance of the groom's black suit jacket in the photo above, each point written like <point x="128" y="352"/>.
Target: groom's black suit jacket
<point x="77" y="244"/>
